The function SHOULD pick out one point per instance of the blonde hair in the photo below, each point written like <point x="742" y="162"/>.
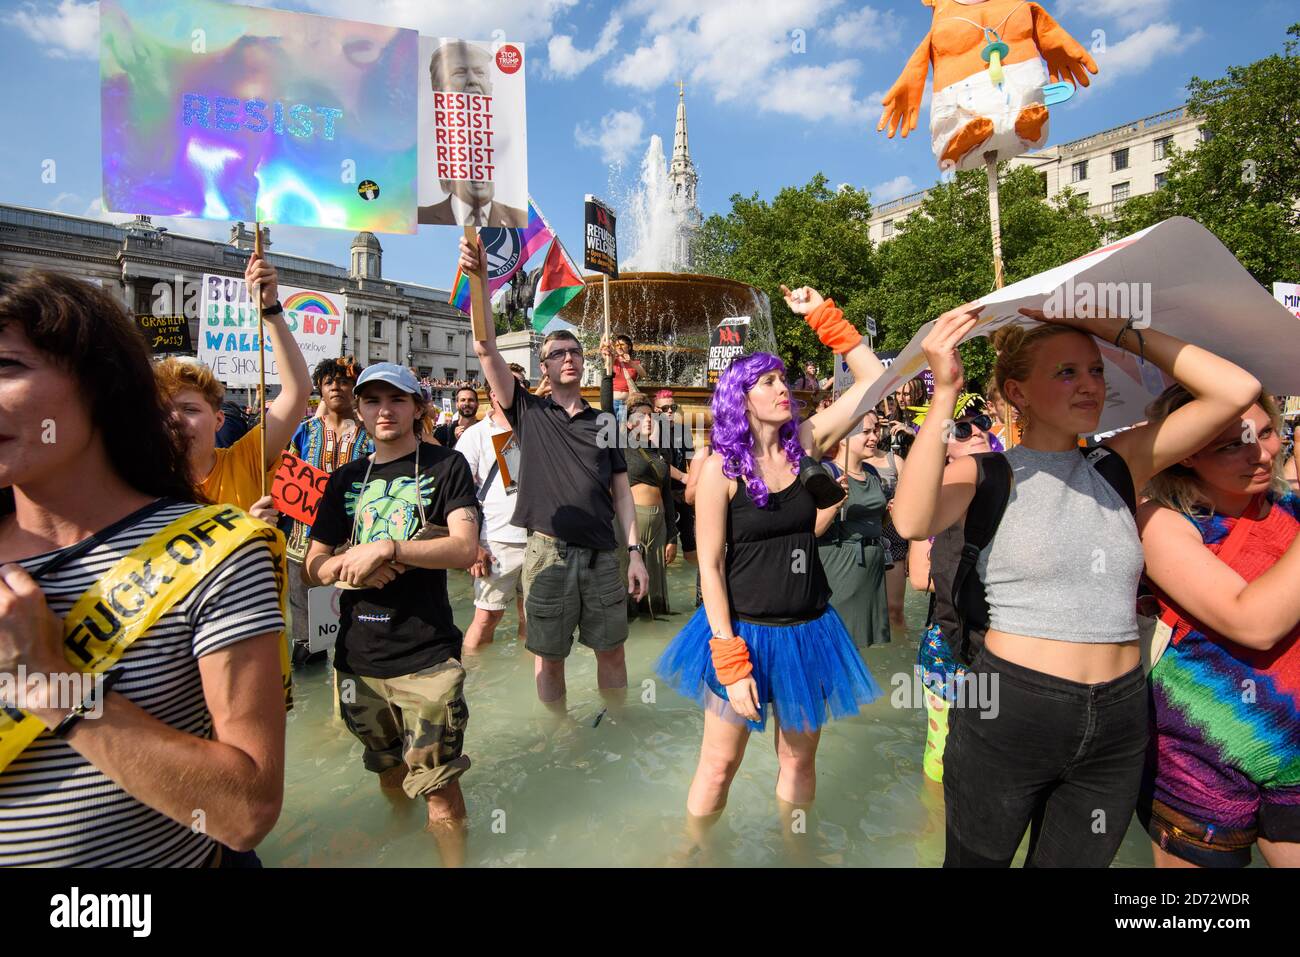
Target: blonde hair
<point x="1178" y="487"/>
<point x="1016" y="347"/>
<point x="176" y="375"/>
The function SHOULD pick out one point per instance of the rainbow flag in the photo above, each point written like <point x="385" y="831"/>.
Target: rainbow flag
<point x="559" y="283"/>
<point x="508" y="251"/>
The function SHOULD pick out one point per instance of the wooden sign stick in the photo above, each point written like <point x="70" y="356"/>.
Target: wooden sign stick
<point x="261" y="355"/>
<point x="480" y="303"/>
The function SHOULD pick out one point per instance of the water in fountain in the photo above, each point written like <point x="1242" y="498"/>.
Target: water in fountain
<point x="668" y="313"/>
<point x="651" y="215"/>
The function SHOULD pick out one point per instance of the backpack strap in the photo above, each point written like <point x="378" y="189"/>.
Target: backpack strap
<point x="992" y="492"/>
<point x="1112" y="467"/>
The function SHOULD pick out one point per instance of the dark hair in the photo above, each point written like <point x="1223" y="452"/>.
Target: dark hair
<point x="557" y="334"/>
<point x="631" y="349"/>
<point x="86" y="331"/>
<point x="345" y="367"/>
<point x="467" y="388"/>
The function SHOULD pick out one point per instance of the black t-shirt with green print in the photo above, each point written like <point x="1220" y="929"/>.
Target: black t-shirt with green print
<point x="407" y="625"/>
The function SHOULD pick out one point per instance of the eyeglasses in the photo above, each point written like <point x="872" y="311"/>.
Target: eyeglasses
<point x="561" y="354"/>
<point x="962" y="430"/>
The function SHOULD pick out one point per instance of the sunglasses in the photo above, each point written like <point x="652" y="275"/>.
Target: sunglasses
<point x="670" y="407"/>
<point x="561" y="354"/>
<point x="962" y="430"/>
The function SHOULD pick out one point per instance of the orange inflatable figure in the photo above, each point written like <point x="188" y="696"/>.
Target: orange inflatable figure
<point x="989" y="79"/>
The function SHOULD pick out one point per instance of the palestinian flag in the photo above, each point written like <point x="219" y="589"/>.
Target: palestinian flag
<point x="557" y="286"/>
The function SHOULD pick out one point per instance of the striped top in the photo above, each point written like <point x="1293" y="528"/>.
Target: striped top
<point x="59" y="810"/>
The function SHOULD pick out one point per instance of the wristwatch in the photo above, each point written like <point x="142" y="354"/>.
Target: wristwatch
<point x="639" y="549"/>
<point x="273" y="310"/>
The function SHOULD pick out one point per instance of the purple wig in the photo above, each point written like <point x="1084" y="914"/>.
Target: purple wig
<point x="732" y="438"/>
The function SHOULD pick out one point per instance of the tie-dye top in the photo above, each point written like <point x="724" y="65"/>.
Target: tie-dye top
<point x="1238" y="708"/>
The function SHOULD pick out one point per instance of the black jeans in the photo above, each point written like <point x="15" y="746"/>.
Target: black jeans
<point x="1061" y="758"/>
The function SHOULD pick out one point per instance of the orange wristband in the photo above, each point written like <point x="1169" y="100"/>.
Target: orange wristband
<point x="835" y="332"/>
<point x="730" y="659"/>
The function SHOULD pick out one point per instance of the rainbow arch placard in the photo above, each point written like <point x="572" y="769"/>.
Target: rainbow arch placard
<point x="228" y="328"/>
<point x="310" y="302"/>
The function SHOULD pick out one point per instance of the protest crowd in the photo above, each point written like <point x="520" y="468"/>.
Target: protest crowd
<point x="1196" y="511"/>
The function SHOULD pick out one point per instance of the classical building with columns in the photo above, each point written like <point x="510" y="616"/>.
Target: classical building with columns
<point x="155" y="271"/>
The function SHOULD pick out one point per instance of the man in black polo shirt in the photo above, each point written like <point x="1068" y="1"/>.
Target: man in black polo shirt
<point x="572" y="485"/>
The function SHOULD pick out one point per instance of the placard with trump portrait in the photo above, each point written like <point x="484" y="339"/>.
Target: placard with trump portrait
<point x="473" y="134"/>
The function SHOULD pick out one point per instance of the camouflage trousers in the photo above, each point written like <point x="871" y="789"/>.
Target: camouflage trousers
<point x="418" y="720"/>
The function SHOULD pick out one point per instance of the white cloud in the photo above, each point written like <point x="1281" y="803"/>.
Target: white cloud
<point x="527" y="21"/>
<point x="1127" y="13"/>
<point x="816" y="92"/>
<point x="620" y="132"/>
<point x="71" y="29"/>
<point x="1139" y="50"/>
<point x="744" y="50"/>
<point x="892" y="189"/>
<point x="566" y="60"/>
<point x="867" y="29"/>
<point x="68" y="31"/>
<point x="647" y="67"/>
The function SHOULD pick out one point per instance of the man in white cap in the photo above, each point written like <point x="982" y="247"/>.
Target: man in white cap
<point x="400" y="680"/>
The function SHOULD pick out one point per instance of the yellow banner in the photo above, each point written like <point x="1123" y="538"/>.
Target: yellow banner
<point x="141" y="588"/>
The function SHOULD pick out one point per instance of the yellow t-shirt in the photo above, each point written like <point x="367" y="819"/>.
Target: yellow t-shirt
<point x="236" y="479"/>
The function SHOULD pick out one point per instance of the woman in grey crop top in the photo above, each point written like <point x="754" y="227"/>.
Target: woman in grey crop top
<point x="1058" y="742"/>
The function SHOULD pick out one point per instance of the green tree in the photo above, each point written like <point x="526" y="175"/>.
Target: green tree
<point x="808" y="235"/>
<point x="942" y="255"/>
<point x="1242" y="181"/>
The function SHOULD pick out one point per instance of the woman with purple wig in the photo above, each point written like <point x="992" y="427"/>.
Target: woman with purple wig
<point x="766" y="634"/>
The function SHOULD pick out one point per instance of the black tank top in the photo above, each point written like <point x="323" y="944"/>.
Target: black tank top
<point x="773" y="573"/>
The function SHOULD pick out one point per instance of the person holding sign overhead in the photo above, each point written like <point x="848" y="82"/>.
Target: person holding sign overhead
<point x="233" y="476"/>
<point x="572" y="489"/>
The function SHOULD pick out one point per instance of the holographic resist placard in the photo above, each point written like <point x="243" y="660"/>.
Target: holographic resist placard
<point x="219" y="111"/>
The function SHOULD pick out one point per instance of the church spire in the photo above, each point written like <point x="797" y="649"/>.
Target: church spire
<point x="682" y="180"/>
<point x="681" y="151"/>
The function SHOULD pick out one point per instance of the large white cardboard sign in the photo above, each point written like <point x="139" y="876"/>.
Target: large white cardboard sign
<point x="1177" y="276"/>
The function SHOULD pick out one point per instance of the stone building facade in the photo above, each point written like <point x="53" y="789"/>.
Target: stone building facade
<point x="153" y="270"/>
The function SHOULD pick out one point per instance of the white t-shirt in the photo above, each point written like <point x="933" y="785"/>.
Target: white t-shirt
<point x="59" y="810"/>
<point x="498" y="505"/>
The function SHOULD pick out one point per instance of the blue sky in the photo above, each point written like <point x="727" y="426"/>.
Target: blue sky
<point x="765" y="110"/>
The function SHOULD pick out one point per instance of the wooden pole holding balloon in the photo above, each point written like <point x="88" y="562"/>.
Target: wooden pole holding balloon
<point x="261" y="354"/>
<point x="995" y="220"/>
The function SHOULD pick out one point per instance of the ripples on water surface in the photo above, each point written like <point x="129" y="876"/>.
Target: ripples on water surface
<point x="550" y="791"/>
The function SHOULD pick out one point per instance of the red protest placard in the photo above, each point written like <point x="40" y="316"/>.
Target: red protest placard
<point x="296" y="488"/>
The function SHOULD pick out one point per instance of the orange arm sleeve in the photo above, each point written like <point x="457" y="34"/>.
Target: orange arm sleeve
<point x="835" y="332"/>
<point x="730" y="659"/>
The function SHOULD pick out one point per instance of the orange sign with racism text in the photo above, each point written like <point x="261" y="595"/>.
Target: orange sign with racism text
<point x="296" y="488"/>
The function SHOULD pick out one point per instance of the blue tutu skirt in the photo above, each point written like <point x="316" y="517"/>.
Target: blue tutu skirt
<point x="809" y="673"/>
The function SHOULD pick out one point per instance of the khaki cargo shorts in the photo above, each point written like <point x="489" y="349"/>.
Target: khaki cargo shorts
<point x="569" y="587"/>
<point x="418" y="720"/>
<point x="497" y="591"/>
